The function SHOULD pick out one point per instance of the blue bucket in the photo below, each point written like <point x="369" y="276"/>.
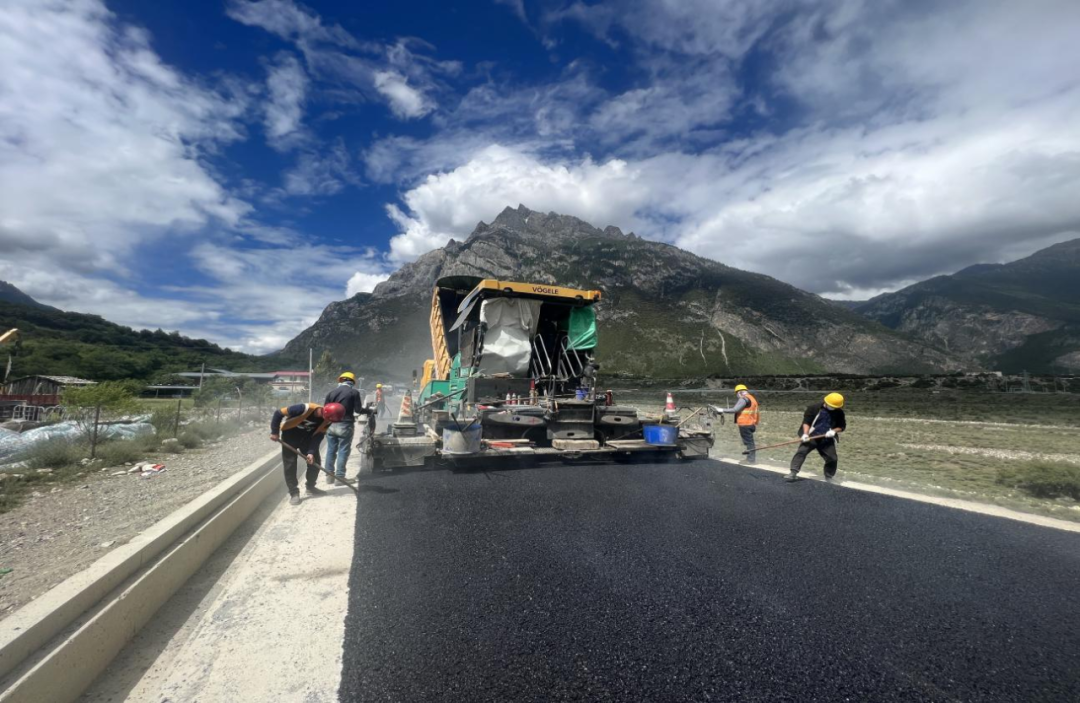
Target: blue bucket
<point x="664" y="435"/>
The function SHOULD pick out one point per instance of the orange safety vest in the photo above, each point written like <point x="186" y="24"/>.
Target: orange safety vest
<point x="748" y="416"/>
<point x="378" y="395"/>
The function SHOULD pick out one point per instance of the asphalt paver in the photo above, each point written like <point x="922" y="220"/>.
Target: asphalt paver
<point x="698" y="581"/>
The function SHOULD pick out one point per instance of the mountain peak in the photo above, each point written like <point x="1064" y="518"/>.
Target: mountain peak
<point x="11" y="294"/>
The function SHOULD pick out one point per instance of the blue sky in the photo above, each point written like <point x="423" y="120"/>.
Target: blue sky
<point x="227" y="168"/>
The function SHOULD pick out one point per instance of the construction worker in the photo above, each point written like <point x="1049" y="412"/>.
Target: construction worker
<point x="746" y="419"/>
<point x="380" y="402"/>
<point x="302" y="427"/>
<point x="822" y="423"/>
<point x="339" y="435"/>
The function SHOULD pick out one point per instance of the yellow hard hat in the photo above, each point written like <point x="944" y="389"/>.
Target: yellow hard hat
<point x="834" y="400"/>
<point x="378" y="385"/>
<point x="741" y="387"/>
<point x="348" y="375"/>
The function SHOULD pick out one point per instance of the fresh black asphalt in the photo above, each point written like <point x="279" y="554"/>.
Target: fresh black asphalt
<point x="698" y="581"/>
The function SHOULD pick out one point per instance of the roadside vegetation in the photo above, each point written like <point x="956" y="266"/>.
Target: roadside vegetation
<point x="212" y="417"/>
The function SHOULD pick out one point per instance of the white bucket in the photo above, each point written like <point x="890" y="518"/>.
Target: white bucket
<point x="466" y="441"/>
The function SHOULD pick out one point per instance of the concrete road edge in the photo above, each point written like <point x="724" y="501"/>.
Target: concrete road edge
<point x="73" y="664"/>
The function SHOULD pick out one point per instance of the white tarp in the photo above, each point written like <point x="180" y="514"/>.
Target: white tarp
<point x="12" y="444"/>
<point x="510" y="324"/>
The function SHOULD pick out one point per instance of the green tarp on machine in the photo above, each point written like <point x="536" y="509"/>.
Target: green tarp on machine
<point x="581" y="329"/>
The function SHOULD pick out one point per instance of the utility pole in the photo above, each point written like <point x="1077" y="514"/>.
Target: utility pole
<point x="310" y="373"/>
<point x="201" y="374"/>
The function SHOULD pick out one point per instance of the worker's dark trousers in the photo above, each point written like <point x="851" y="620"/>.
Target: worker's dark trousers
<point x="746" y="433"/>
<point x="288" y="459"/>
<point x="825" y="447"/>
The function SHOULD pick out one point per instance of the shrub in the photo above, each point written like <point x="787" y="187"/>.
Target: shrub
<point x="120" y="451"/>
<point x="1043" y="479"/>
<point x="53" y="454"/>
<point x="189" y="439"/>
<point x="164" y="421"/>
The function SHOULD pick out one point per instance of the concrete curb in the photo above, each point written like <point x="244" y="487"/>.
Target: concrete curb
<point x="955" y="503"/>
<point x="67" y="670"/>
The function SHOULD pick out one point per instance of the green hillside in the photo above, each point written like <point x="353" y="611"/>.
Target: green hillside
<point x="74" y="344"/>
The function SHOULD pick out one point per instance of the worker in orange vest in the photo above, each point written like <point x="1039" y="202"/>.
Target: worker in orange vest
<point x="746" y="419"/>
<point x="380" y="402"/>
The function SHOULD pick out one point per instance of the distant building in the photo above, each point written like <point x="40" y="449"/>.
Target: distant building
<point x="32" y="392"/>
<point x="282" y="381"/>
<point x="290" y="381"/>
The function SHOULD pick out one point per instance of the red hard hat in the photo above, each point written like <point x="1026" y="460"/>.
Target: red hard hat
<point x="334" y="412"/>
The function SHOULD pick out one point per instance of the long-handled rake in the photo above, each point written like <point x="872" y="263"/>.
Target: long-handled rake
<point x="320" y="467"/>
<point x="784" y="444"/>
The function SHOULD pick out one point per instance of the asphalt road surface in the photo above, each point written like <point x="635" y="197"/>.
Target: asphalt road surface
<point x="698" y="581"/>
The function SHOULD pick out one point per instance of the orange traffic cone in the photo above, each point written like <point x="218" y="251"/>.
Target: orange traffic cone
<point x="669" y="406"/>
<point x="405" y="414"/>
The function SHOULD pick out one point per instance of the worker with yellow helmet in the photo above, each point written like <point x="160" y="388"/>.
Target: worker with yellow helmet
<point x="822" y="423"/>
<point x="380" y="402"/>
<point x="339" y="435"/>
<point x="746" y="419"/>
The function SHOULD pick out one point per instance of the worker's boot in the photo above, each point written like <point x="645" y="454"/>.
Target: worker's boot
<point x="330" y="479"/>
<point x="315" y="491"/>
<point x="791" y="477"/>
<point x="294" y="500"/>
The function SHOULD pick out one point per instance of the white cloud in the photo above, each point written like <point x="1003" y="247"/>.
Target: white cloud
<point x="398" y="74"/>
<point x="322" y="171"/>
<point x="363" y="283"/>
<point x="405" y="101"/>
<point x="517" y="7"/>
<point x="450" y="204"/>
<point x="896" y="142"/>
<point x="286" y="83"/>
<point x="100" y="142"/>
<point x="289" y="21"/>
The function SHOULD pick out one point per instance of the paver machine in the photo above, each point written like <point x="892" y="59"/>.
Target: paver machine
<point x="514" y="376"/>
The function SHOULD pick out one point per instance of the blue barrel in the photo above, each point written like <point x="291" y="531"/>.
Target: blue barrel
<point x="661" y="434"/>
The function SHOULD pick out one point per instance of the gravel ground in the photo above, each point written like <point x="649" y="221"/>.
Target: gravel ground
<point x="57" y="534"/>
<point x="699" y="581"/>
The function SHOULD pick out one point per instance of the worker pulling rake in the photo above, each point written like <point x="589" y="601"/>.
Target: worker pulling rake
<point x="320" y="467"/>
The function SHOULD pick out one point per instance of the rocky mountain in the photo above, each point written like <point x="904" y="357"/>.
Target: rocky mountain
<point x="1023" y="315"/>
<point x="11" y="294"/>
<point x="665" y="312"/>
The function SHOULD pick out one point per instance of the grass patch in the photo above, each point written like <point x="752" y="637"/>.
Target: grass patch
<point x="1043" y="479"/>
<point x="53" y="454"/>
<point x="120" y="452"/>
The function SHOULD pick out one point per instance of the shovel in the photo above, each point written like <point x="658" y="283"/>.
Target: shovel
<point x="296" y="451"/>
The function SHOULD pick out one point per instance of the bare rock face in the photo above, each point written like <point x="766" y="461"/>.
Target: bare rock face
<point x="665" y="312"/>
<point x="1013" y="317"/>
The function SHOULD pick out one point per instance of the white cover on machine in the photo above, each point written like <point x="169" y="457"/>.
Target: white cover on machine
<point x="511" y="324"/>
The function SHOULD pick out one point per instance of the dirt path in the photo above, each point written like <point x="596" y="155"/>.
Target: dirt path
<point x="56" y="534"/>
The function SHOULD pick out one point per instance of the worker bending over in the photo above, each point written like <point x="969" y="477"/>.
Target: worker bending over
<point x="746" y="419"/>
<point x="821" y="424"/>
<point x="302" y="427"/>
<point x="339" y="435"/>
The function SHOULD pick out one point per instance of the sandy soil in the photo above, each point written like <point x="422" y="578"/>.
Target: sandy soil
<point x="56" y="534"/>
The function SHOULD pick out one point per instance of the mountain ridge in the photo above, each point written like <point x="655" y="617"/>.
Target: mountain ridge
<point x="1012" y="317"/>
<point x="665" y="311"/>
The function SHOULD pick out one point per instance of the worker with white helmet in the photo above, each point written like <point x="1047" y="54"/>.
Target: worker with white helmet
<point x="822" y="423"/>
<point x="746" y="419"/>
